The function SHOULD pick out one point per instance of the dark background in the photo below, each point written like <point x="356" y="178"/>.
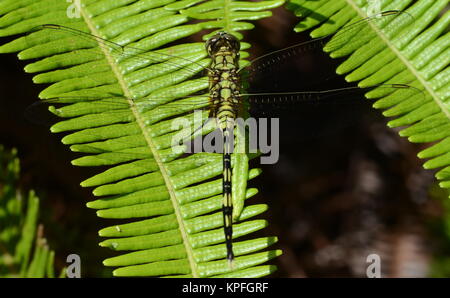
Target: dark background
<point x="345" y="185"/>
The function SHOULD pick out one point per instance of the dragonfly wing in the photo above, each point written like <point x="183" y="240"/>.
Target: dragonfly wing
<point x="89" y="66"/>
<point x="131" y="55"/>
<point x="95" y="117"/>
<point x="344" y="105"/>
<point x="113" y="108"/>
<point x="302" y="56"/>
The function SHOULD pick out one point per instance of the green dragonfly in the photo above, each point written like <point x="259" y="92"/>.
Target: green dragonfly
<point x="220" y="96"/>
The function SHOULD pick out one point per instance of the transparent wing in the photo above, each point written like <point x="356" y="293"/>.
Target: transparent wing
<point x="123" y="147"/>
<point x="301" y="55"/>
<point x="112" y="108"/>
<point x="346" y="107"/>
<point x="81" y="65"/>
<point x="50" y="39"/>
<point x="338" y="96"/>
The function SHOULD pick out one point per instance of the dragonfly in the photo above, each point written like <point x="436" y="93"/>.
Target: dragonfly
<point x="223" y="98"/>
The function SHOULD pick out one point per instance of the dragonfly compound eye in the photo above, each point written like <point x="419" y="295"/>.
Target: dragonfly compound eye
<point x="233" y="42"/>
<point x="222" y="40"/>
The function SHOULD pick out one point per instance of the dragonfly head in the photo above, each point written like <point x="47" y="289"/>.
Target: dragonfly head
<point x="222" y="40"/>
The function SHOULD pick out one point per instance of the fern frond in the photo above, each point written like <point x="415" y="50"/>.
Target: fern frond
<point x="411" y="48"/>
<point x="24" y="251"/>
<point x="121" y="103"/>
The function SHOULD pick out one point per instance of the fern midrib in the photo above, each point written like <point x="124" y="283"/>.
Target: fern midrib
<point x="227" y="12"/>
<point x="149" y="141"/>
<point x="403" y="59"/>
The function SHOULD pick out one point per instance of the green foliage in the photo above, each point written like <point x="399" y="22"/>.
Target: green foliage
<point x="440" y="228"/>
<point x="20" y="235"/>
<point x="121" y="113"/>
<point x="412" y="49"/>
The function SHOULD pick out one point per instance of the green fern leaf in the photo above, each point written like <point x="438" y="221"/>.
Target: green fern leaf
<point x="119" y="112"/>
<point x="20" y="233"/>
